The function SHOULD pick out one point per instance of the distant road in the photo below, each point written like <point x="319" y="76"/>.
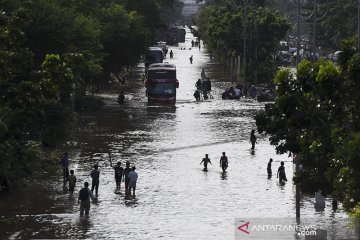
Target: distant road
<point x="190" y="8"/>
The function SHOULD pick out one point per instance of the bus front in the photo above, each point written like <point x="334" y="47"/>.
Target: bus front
<point x="161" y="84"/>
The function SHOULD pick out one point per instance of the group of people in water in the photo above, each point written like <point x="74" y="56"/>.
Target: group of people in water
<point x="203" y="87"/>
<point x="224" y="162"/>
<point x="238" y="91"/>
<point x="127" y="175"/>
<point x="280" y="173"/>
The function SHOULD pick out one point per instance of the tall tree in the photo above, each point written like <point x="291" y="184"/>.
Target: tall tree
<point x="316" y="117"/>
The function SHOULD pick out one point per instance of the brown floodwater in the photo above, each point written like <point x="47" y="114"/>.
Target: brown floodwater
<point x="175" y="198"/>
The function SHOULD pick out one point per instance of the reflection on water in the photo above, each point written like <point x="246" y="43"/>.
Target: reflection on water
<point x="175" y="199"/>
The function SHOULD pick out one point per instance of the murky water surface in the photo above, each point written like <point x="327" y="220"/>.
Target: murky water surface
<point x="175" y="199"/>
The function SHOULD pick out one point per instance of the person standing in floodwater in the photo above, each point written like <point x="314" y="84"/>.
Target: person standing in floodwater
<point x="191" y="59"/>
<point x="281" y="173"/>
<point x="84" y="199"/>
<point x="95" y="175"/>
<point x="72" y="182"/>
<point x="133" y="179"/>
<point x="118" y="174"/>
<point x="224" y="162"/>
<point x="126" y="172"/>
<point x="65" y="166"/>
<point x="252" y="139"/>
<point x="269" y="171"/>
<point x="206" y="160"/>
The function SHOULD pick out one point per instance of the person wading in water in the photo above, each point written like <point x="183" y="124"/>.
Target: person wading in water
<point x="126" y="172"/>
<point x="252" y="139"/>
<point x="281" y="173"/>
<point x="269" y="168"/>
<point x="206" y="160"/>
<point x="224" y="162"/>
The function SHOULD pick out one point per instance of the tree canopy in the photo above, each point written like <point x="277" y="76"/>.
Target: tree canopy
<point x="52" y="53"/>
<point x="316" y="117"/>
<point x="222" y="26"/>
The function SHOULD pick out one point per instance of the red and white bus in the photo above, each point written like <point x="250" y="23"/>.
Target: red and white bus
<point x="161" y="83"/>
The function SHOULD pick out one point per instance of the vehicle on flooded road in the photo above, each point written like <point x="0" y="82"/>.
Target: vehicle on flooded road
<point x="153" y="55"/>
<point x="161" y="83"/>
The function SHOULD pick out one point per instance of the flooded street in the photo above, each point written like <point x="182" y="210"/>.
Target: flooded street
<point x="175" y="199"/>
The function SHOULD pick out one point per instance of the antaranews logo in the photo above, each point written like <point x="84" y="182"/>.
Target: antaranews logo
<point x="290" y="228"/>
<point x="244" y="228"/>
<point x="304" y="230"/>
<point x="272" y="229"/>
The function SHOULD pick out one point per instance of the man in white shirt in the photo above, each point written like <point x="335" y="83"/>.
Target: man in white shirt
<point x="133" y="178"/>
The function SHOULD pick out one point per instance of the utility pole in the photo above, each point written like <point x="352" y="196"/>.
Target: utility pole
<point x="298" y="32"/>
<point x="315" y="21"/>
<point x="244" y="54"/>
<point x="358" y="25"/>
<point x="314" y="31"/>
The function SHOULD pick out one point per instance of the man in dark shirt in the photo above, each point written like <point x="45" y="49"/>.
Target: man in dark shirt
<point x="206" y="160"/>
<point x="118" y="174"/>
<point x="84" y="199"/>
<point x="126" y="172"/>
<point x="269" y="168"/>
<point x="65" y="166"/>
<point x="95" y="175"/>
<point x="224" y="162"/>
<point x="281" y="173"/>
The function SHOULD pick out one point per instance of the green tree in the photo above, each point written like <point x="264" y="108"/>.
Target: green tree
<point x="222" y="27"/>
<point x="316" y="117"/>
<point x="124" y="38"/>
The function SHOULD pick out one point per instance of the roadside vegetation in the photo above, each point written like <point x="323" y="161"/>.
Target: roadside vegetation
<point x="316" y="118"/>
<point x="316" y="114"/>
<point x="53" y="54"/>
<point x="225" y="25"/>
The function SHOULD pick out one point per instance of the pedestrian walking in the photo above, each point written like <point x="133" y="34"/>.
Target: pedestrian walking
<point x="95" y="175"/>
<point x="126" y="173"/>
<point x="269" y="171"/>
<point x="171" y="54"/>
<point x="224" y="162"/>
<point x="72" y="182"/>
<point x="206" y="160"/>
<point x="252" y="139"/>
<point x="133" y="176"/>
<point x="64" y="162"/>
<point x="281" y="173"/>
<point x="84" y="199"/>
<point x="191" y="59"/>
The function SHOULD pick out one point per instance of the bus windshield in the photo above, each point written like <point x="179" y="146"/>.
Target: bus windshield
<point x="162" y="88"/>
<point x="162" y="74"/>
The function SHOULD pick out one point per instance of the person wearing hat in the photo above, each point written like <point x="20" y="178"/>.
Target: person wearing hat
<point x="95" y="174"/>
